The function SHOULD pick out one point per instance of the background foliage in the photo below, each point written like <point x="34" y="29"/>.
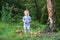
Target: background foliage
<point x="11" y="13"/>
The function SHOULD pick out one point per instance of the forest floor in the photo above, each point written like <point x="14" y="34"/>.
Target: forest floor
<point x="8" y="32"/>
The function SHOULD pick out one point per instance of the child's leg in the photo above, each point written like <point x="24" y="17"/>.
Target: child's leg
<point x="24" y="28"/>
<point x="28" y="28"/>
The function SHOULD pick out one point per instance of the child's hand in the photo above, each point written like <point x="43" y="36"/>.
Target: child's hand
<point x="30" y="21"/>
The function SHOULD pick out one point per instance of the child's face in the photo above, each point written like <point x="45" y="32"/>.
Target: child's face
<point x="26" y="13"/>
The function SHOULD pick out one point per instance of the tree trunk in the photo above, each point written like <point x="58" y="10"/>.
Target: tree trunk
<point x="50" y="8"/>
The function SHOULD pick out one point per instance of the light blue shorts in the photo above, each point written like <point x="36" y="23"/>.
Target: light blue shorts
<point x="26" y="26"/>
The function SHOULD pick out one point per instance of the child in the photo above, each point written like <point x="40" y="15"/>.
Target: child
<point x="26" y="20"/>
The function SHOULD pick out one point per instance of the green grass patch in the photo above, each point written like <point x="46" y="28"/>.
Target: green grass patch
<point x="8" y="32"/>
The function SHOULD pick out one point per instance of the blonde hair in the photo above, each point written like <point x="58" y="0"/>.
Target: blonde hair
<point x="26" y="12"/>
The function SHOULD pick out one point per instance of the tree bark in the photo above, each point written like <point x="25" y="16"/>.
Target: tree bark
<point x="50" y="8"/>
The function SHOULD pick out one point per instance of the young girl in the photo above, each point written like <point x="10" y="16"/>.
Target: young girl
<point x="26" y="20"/>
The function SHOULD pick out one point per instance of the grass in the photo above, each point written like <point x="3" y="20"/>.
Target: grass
<point x="8" y="32"/>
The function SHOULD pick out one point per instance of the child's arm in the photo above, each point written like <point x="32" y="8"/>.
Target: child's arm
<point x="23" y="19"/>
<point x="30" y="20"/>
